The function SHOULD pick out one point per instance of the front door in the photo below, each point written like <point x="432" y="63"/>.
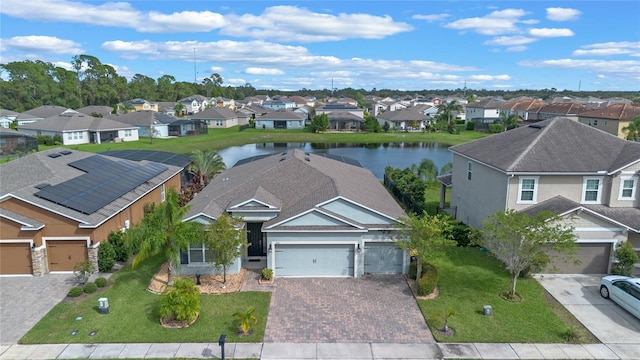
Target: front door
<point x="254" y="234"/>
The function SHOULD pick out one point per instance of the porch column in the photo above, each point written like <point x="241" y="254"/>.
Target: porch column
<point x="443" y="195"/>
<point x="97" y="137"/>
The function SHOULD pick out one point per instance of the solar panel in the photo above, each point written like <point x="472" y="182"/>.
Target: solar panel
<point x="105" y="181"/>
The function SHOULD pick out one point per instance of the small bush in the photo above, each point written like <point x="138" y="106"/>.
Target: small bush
<point x="101" y="282"/>
<point x="572" y="335"/>
<point x="90" y="287"/>
<point x="75" y="291"/>
<point x="181" y="301"/>
<point x="122" y="250"/>
<point x="428" y="282"/>
<point x="626" y="258"/>
<point x="495" y="128"/>
<point x="463" y="234"/>
<point x="106" y="256"/>
<point x="82" y="270"/>
<point x="266" y="274"/>
<point x="471" y="125"/>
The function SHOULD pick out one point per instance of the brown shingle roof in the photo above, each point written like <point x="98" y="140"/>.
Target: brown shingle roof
<point x="621" y="112"/>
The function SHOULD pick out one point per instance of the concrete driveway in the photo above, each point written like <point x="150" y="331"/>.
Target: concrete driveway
<point x="605" y="319"/>
<point x="372" y="309"/>
<point x="25" y="300"/>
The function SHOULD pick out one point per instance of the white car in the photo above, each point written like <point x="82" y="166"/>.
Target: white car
<point x="623" y="290"/>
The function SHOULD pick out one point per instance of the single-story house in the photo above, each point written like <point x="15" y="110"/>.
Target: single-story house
<point x="58" y="205"/>
<point x="216" y="117"/>
<point x="304" y="214"/>
<point x="281" y="119"/>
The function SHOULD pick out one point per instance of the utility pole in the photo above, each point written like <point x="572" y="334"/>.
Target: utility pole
<point x="195" y="80"/>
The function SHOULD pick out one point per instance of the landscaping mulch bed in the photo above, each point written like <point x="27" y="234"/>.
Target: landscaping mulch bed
<point x="210" y="284"/>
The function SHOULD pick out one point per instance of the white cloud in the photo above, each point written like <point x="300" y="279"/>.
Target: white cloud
<point x="520" y="48"/>
<point x="263" y="71"/>
<point x="509" y="41"/>
<point x="562" y="14"/>
<point x="432" y="17"/>
<point x="41" y="44"/>
<point x="550" y="33"/>
<point x="610" y="49"/>
<point x="290" y="23"/>
<point x="496" y="23"/>
<point x="617" y="68"/>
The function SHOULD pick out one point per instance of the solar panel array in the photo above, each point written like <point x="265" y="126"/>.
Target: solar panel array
<point x="164" y="157"/>
<point x="105" y="181"/>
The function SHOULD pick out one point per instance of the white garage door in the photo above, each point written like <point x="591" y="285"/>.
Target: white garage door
<point x="314" y="260"/>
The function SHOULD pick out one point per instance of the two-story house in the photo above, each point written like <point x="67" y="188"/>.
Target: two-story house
<point x="612" y="119"/>
<point x="581" y="173"/>
<point x="484" y="112"/>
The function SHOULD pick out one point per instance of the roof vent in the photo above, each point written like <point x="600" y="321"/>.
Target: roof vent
<point x="42" y="186"/>
<point x="283" y="158"/>
<point x="284" y="153"/>
<point x="536" y="126"/>
<point x="65" y="152"/>
<point x="307" y="158"/>
<point x="54" y="155"/>
<point x="306" y="153"/>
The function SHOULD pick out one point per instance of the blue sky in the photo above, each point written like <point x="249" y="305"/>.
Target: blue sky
<point x="291" y="45"/>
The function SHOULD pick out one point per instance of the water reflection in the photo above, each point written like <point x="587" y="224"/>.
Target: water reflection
<point x="374" y="157"/>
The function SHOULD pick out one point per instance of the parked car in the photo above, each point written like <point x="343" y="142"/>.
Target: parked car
<point x="623" y="290"/>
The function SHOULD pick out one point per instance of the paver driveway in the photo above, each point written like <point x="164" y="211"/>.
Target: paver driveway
<point x="25" y="300"/>
<point x="375" y="308"/>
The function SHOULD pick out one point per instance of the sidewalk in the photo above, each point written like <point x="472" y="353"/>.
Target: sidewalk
<point x="327" y="351"/>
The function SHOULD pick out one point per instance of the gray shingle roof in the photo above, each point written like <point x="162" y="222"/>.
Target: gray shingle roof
<point x="555" y="145"/>
<point x="75" y="122"/>
<point x="27" y="222"/>
<point x="215" y="113"/>
<point x="19" y="177"/>
<point x="46" y="111"/>
<point x="293" y="184"/>
<point x="143" y="118"/>
<point x="627" y="216"/>
<point x="282" y="115"/>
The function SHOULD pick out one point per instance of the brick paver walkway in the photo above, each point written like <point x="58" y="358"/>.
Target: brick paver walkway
<point x="376" y="308"/>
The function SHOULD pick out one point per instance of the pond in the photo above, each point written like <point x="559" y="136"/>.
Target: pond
<point x="374" y="157"/>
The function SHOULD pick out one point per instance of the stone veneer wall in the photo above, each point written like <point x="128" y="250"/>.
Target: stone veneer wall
<point x="39" y="261"/>
<point x="92" y="252"/>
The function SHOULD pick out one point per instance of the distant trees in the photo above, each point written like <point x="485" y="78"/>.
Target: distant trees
<point x="633" y="129"/>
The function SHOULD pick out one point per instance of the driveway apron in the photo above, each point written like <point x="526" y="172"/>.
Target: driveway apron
<point x="375" y="308"/>
<point x="25" y="300"/>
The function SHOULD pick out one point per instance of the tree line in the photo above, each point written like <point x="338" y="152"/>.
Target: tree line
<point x="31" y="83"/>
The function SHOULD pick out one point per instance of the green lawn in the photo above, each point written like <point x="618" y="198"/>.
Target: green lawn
<point x="470" y="279"/>
<point x="222" y="138"/>
<point x="132" y="317"/>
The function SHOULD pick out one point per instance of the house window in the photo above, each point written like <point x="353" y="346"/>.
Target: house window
<point x="127" y="133"/>
<point x="163" y="193"/>
<point x="528" y="190"/>
<point x="198" y="253"/>
<point x="591" y="190"/>
<point x="469" y="170"/>
<point x="606" y="122"/>
<point x="69" y="136"/>
<point x="3" y="142"/>
<point x="218" y="122"/>
<point x="628" y="188"/>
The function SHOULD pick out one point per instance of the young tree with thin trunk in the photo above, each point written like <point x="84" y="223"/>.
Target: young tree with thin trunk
<point x="425" y="237"/>
<point x="226" y="240"/>
<point x="162" y="232"/>
<point x="522" y="241"/>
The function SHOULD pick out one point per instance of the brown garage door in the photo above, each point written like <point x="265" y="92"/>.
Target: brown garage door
<point x="15" y="258"/>
<point x="63" y="255"/>
<point x="593" y="257"/>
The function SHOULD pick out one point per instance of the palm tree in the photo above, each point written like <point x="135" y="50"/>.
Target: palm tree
<point x="426" y="170"/>
<point x="633" y="129"/>
<point x="162" y="232"/>
<point x="206" y="165"/>
<point x="179" y="108"/>
<point x="446" y="110"/>
<point x="508" y="121"/>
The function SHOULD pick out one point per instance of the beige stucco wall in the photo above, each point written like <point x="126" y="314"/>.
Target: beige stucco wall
<point x="616" y="182"/>
<point x="477" y="199"/>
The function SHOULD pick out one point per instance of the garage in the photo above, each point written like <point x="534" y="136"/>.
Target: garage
<point x="314" y="260"/>
<point x="63" y="255"/>
<point x="15" y="259"/>
<point x="593" y="259"/>
<point x="382" y="258"/>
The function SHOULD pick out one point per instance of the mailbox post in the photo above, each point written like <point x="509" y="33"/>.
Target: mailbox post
<point x="221" y="341"/>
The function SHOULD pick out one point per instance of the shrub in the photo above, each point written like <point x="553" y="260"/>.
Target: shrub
<point x="181" y="301"/>
<point x="90" y="287"/>
<point x="572" y="335"/>
<point x="471" y="125"/>
<point x="246" y="319"/>
<point x="495" y="128"/>
<point x="122" y="250"/>
<point x="626" y="257"/>
<point x="106" y="256"/>
<point x="82" y="270"/>
<point x="101" y="282"/>
<point x="75" y="291"/>
<point x="267" y="274"/>
<point x="463" y="234"/>
<point x="428" y="282"/>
